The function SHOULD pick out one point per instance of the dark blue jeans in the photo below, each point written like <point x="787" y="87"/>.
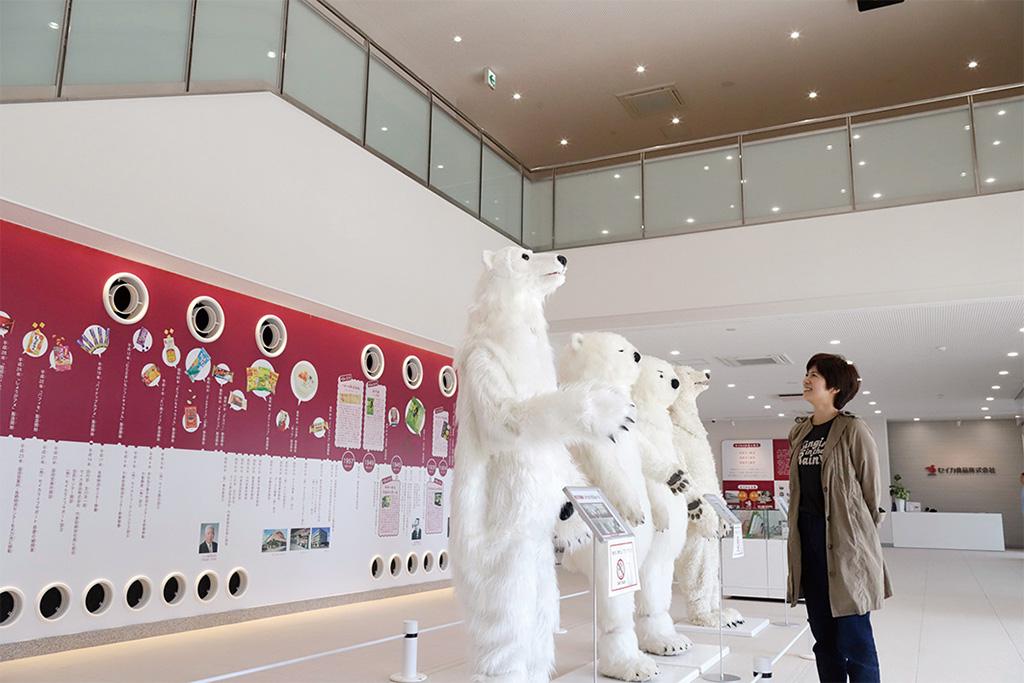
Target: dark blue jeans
<point x="844" y="647"/>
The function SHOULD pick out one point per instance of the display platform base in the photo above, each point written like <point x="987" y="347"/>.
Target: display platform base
<point x="669" y="674"/>
<point x="750" y="628"/>
<point x="700" y="657"/>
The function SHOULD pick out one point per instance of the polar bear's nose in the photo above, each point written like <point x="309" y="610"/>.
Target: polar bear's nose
<point x="707" y="375"/>
<point x="562" y="259"/>
<point x="675" y="383"/>
<point x="636" y="356"/>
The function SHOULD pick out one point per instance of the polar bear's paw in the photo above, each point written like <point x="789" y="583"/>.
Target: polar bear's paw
<point x="665" y="644"/>
<point x="732" y="617"/>
<point x="709" y="619"/>
<point x="638" y="668"/>
<point x="679" y="482"/>
<point x="696" y="510"/>
<point x="607" y="412"/>
<point x="631" y="510"/>
<point x="571" y="532"/>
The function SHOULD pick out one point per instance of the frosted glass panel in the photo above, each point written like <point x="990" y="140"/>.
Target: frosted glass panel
<point x="692" y="191"/>
<point x="125" y="41"/>
<point x="597" y="206"/>
<point x="30" y="41"/>
<point x="397" y="119"/>
<point x="797" y="176"/>
<point x="1000" y="166"/>
<point x="501" y="195"/>
<point x="916" y="158"/>
<point x="238" y="43"/>
<point x="538" y="213"/>
<point x="325" y="70"/>
<point x="455" y="160"/>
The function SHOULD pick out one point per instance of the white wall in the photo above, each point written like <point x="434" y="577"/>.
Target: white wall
<point x="723" y="430"/>
<point x="250" y="185"/>
<point x="941" y="251"/>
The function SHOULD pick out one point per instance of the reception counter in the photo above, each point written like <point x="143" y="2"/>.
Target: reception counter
<point x="947" y="530"/>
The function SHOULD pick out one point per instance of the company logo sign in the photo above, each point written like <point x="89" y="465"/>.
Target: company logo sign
<point x="933" y="470"/>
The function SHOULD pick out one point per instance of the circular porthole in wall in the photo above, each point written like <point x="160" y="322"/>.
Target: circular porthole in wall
<point x="271" y="336"/>
<point x="447" y="381"/>
<point x="174" y="589"/>
<point x="54" y="601"/>
<point x="412" y="372"/>
<point x="373" y="361"/>
<point x="206" y="586"/>
<point x="98" y="597"/>
<point x="428" y="562"/>
<point x="11" y="603"/>
<point x="137" y="592"/>
<point x="395" y="565"/>
<point x="238" y="582"/>
<point x="377" y="567"/>
<point x="126" y="298"/>
<point x="205" y="319"/>
<point x="412" y="563"/>
<point x="442" y="560"/>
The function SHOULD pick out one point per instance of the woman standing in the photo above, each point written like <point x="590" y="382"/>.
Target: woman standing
<point x="835" y="556"/>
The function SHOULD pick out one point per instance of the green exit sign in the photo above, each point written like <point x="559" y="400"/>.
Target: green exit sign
<point x="492" y="79"/>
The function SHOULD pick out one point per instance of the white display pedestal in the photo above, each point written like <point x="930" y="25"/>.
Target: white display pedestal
<point x="760" y="573"/>
<point x="751" y="628"/>
<point x="948" y="530"/>
<point x="682" y="668"/>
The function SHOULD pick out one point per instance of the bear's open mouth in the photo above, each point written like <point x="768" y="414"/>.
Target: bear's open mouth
<point x="557" y="272"/>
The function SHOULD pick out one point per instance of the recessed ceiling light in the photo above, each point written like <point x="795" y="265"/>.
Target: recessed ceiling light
<point x="984" y="407"/>
<point x="1001" y="112"/>
<point x="866" y="392"/>
<point x="878" y="412"/>
<point x="440" y="166"/>
<point x="1004" y="372"/>
<point x="732" y="206"/>
<point x="728" y="157"/>
<point x="640" y="68"/>
<point x="1021" y="329"/>
<point x="842" y="191"/>
<point x="563" y="142"/>
<point x="990" y="180"/>
<point x="636" y="196"/>
<point x="834" y="342"/>
<point x="973" y="64"/>
<point x="776" y="209"/>
<point x="963" y="174"/>
<point x="862" y="163"/>
<point x="1013" y="354"/>
<point x="384" y="129"/>
<point x="813" y="94"/>
<point x="675" y="119"/>
<point x="988" y="417"/>
<point x="271" y="54"/>
<point x="617" y="176"/>
<point x="673" y="352"/>
<point x="917" y="419"/>
<point x="794" y="35"/>
<point x="990" y="398"/>
<point x="856" y="136"/>
<point x="457" y="39"/>
<point x="967" y="126"/>
<point x="767" y="406"/>
<point x="751" y="397"/>
<point x="54" y="25"/>
<point x="996" y="387"/>
<point x="782" y="415"/>
<point x="872" y="403"/>
<point x="604" y="232"/>
<point x="689" y="220"/>
<point x="941" y="348"/>
<point x="877" y="195"/>
<point x="828" y="147"/>
<point x="996" y="143"/>
<point x="730" y="386"/>
<point x="707" y="168"/>
<point x="516" y="96"/>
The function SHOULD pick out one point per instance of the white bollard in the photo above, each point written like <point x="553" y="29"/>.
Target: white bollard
<point x="763" y="667"/>
<point x="409" y="673"/>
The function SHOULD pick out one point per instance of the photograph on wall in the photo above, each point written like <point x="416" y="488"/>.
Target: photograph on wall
<point x="299" y="539"/>
<point x="389" y="510"/>
<point x="434" y="506"/>
<point x="417" y="530"/>
<point x="275" y="540"/>
<point x="320" y="537"/>
<point x="208" y="537"/>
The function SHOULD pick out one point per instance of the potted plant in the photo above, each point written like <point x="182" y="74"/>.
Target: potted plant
<point x="899" y="493"/>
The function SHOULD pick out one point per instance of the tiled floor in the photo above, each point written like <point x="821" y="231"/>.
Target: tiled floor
<point x="957" y="617"/>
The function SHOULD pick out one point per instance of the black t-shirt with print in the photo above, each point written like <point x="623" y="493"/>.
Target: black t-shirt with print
<point x="812" y="499"/>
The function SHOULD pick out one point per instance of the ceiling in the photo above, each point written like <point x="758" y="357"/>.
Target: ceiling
<point x="896" y="350"/>
<point x="732" y="61"/>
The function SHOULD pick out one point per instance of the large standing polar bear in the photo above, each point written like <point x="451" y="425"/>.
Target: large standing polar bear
<point x="511" y="457"/>
<point x="614" y="466"/>
<point x="654" y="391"/>
<point x="697" y="566"/>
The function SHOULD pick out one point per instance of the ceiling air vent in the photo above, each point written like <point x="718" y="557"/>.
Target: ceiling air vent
<point x="752" y="361"/>
<point x="790" y="397"/>
<point x="661" y="99"/>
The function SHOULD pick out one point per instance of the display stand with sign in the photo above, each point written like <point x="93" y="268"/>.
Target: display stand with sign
<point x="717" y="504"/>
<point x="783" y="505"/>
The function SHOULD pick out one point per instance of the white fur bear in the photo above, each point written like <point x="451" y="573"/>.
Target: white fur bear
<point x="654" y="391"/>
<point x="697" y="566"/>
<point x="614" y="466"/>
<point x="510" y="459"/>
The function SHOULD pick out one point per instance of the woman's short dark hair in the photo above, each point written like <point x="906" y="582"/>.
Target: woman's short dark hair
<point x="839" y="373"/>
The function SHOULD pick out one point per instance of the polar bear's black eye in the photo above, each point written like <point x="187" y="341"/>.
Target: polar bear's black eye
<point x="526" y="257"/>
<point x="622" y="350"/>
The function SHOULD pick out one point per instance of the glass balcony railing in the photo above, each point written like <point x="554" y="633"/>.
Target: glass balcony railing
<point x="303" y="50"/>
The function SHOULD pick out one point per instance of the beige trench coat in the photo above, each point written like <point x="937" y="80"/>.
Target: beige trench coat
<point x="858" y="581"/>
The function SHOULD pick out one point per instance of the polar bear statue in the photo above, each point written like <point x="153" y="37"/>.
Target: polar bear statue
<point x="654" y="391"/>
<point x="510" y="459"/>
<point x="697" y="566"/>
<point x="613" y="466"/>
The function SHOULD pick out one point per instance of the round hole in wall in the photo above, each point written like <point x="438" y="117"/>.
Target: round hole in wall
<point x="126" y="298"/>
<point x="205" y="318"/>
<point x="174" y="589"/>
<point x="238" y="582"/>
<point x="377" y="567"/>
<point x="395" y="565"/>
<point x="373" y="361"/>
<point x="54" y="601"/>
<point x="442" y="560"/>
<point x="412" y="372"/>
<point x="206" y="586"/>
<point x="412" y="563"/>
<point x="428" y="562"/>
<point x="271" y="336"/>
<point x="98" y="596"/>
<point x="137" y="592"/>
<point x="11" y="602"/>
<point x="447" y="381"/>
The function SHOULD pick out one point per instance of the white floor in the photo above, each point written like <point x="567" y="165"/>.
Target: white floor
<point x="957" y="616"/>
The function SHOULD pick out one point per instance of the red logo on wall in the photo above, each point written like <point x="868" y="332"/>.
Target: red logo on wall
<point x="931" y="470"/>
